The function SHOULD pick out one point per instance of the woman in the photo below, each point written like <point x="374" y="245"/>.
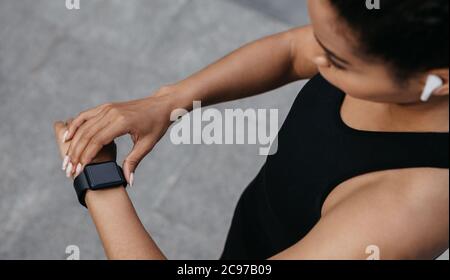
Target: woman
<point x="362" y="161"/>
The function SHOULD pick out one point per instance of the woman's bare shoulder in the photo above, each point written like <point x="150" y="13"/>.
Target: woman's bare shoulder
<point x="402" y="214"/>
<point x="414" y="202"/>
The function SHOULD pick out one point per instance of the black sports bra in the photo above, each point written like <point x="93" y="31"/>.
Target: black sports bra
<point x="316" y="152"/>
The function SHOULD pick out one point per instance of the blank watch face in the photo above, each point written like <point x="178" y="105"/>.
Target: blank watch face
<point x="102" y="175"/>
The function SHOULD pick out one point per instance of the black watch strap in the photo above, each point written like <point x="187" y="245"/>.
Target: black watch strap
<point x="87" y="179"/>
<point x="81" y="185"/>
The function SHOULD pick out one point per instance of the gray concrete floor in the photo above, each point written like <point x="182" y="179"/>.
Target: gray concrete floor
<point x="55" y="63"/>
<point x="293" y="12"/>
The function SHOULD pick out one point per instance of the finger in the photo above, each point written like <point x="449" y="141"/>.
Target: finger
<point x="76" y="157"/>
<point x="103" y="137"/>
<point x="82" y="118"/>
<point x="66" y="131"/>
<point x="67" y="162"/>
<point x="69" y="121"/>
<point x="60" y="132"/>
<point x="59" y="128"/>
<point x="140" y="150"/>
<point x="81" y="139"/>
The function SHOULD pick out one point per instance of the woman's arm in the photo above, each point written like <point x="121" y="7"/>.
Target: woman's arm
<point x="255" y="68"/>
<point x="122" y="234"/>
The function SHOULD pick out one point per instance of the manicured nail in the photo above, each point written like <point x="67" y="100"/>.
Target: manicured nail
<point x="78" y="170"/>
<point x="65" y="162"/>
<point x="131" y="179"/>
<point x="69" y="170"/>
<point x="65" y="136"/>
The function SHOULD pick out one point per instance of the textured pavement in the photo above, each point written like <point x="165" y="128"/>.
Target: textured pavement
<point x="55" y="63"/>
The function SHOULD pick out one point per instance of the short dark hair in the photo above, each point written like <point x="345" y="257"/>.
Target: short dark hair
<point x="411" y="35"/>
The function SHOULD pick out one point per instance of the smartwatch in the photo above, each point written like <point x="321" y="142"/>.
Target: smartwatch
<point x="98" y="176"/>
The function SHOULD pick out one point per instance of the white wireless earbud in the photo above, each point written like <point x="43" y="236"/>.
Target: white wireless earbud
<point x="433" y="82"/>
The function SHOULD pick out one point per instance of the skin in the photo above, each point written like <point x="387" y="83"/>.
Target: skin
<point x="403" y="212"/>
<point x="122" y="234"/>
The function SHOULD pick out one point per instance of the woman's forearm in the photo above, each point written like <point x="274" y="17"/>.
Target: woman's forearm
<point x="255" y="68"/>
<point x="120" y="230"/>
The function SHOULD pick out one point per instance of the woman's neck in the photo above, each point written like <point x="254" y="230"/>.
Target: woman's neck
<point x="432" y="116"/>
<point x="427" y="116"/>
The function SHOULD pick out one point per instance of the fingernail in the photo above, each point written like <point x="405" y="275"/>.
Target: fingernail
<point x="65" y="136"/>
<point x="65" y="162"/>
<point x="79" y="169"/>
<point x="131" y="179"/>
<point x="69" y="170"/>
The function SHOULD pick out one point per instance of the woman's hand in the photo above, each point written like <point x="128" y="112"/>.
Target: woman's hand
<point x="122" y="234"/>
<point x="107" y="153"/>
<point x="146" y="120"/>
